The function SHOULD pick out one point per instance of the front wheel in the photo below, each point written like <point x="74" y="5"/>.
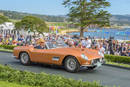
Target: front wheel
<point x="71" y="64"/>
<point x="24" y="58"/>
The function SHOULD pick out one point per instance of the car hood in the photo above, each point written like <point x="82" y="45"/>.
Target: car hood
<point x="90" y="53"/>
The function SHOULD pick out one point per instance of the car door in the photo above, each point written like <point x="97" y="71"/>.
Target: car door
<point x="48" y="56"/>
<point x="40" y="56"/>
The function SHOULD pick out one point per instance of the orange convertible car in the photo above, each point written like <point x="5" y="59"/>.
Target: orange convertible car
<point x="59" y="54"/>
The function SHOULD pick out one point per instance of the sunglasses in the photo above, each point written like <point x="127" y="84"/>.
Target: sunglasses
<point x="42" y="42"/>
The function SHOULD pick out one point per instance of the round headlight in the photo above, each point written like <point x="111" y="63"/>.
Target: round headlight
<point x="84" y="57"/>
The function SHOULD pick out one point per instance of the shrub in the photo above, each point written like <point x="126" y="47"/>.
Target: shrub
<point x="11" y="47"/>
<point x="41" y="80"/>
<point x="128" y="42"/>
<point x="118" y="59"/>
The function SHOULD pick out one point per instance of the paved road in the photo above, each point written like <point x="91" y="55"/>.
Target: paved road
<point x="106" y="75"/>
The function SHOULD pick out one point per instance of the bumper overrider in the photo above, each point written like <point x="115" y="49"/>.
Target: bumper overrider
<point x="98" y="62"/>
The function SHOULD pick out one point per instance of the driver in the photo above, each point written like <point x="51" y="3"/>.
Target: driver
<point x="41" y="44"/>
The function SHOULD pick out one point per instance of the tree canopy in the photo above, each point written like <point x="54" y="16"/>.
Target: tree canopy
<point x="3" y="19"/>
<point x="88" y="12"/>
<point x="33" y="24"/>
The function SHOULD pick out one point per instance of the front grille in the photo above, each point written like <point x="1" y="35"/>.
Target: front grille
<point x="96" y="60"/>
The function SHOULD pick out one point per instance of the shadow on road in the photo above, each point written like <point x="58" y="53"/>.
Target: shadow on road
<point x="51" y="67"/>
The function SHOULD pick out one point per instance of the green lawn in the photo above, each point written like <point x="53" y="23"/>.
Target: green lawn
<point x="7" y="84"/>
<point x="119" y="64"/>
<point x="6" y="50"/>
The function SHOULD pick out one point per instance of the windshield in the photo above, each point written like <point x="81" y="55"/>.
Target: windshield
<point x="51" y="45"/>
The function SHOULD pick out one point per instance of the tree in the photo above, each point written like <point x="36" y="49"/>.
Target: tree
<point x="18" y="25"/>
<point x="88" y="12"/>
<point x="3" y="19"/>
<point x="33" y="24"/>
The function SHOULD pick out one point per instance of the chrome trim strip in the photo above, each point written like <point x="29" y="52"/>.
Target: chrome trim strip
<point x="56" y="58"/>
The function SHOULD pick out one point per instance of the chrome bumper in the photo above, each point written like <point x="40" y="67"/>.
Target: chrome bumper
<point x="95" y="63"/>
<point x="92" y="65"/>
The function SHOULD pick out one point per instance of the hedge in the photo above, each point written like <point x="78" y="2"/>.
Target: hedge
<point x="118" y="59"/>
<point x="41" y="80"/>
<point x="11" y="47"/>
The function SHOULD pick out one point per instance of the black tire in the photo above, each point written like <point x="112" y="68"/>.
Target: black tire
<point x="74" y="66"/>
<point x="24" y="58"/>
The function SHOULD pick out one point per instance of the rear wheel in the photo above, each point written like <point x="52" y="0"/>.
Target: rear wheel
<point x="71" y="64"/>
<point x="24" y="58"/>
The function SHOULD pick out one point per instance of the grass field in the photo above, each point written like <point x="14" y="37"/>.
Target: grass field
<point x="119" y="64"/>
<point x="6" y="50"/>
<point x="7" y="84"/>
<point x="56" y="23"/>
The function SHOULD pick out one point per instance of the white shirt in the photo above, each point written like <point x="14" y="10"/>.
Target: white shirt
<point x="88" y="43"/>
<point x="83" y="43"/>
<point x="102" y="49"/>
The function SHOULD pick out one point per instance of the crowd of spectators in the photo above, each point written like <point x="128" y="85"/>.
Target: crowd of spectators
<point x="109" y="46"/>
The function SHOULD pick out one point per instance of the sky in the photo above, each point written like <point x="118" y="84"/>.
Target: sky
<point x="55" y="7"/>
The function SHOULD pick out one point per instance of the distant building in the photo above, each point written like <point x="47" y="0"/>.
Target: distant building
<point x="7" y="26"/>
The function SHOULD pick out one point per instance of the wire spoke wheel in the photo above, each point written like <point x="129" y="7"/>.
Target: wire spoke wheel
<point x="71" y="64"/>
<point x="24" y="58"/>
